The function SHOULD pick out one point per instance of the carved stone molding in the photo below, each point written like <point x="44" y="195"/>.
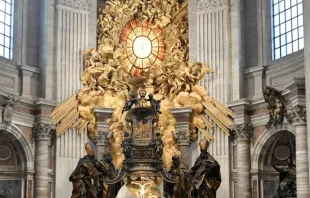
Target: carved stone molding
<point x="276" y="106"/>
<point x="43" y="131"/>
<point x="234" y="176"/>
<point x="242" y="131"/>
<point x="297" y="115"/>
<point x="208" y="4"/>
<point x="8" y="109"/>
<point x="75" y="4"/>
<point x="102" y="138"/>
<point x="182" y="137"/>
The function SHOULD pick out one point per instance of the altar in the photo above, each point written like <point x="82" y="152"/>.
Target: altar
<point x="142" y="107"/>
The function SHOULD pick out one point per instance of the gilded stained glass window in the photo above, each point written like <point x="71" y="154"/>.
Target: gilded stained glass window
<point x="144" y="47"/>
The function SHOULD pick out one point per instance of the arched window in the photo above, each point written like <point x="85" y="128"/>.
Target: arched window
<point x="6" y="28"/>
<point x="287" y="27"/>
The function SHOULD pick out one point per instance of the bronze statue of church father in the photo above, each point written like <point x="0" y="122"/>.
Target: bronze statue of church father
<point x="142" y="170"/>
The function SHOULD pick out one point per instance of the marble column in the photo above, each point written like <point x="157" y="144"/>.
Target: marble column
<point x="242" y="138"/>
<point x="43" y="134"/>
<point x="298" y="118"/>
<point x="306" y="13"/>
<point x="182" y="133"/>
<point x="103" y="132"/>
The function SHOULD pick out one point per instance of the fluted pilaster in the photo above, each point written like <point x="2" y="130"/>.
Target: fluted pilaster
<point x="298" y="118"/>
<point x="103" y="131"/>
<point x="43" y="134"/>
<point x="182" y="133"/>
<point x="242" y="137"/>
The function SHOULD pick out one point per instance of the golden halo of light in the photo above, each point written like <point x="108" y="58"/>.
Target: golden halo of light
<point x="144" y="47"/>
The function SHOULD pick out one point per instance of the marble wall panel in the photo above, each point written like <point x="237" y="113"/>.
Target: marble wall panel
<point x="10" y="188"/>
<point x="270" y="188"/>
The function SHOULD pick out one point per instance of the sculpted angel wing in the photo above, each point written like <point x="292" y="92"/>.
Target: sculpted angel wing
<point x="66" y="116"/>
<point x="206" y="110"/>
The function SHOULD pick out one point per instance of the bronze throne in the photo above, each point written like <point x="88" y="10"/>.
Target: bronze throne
<point x="142" y="148"/>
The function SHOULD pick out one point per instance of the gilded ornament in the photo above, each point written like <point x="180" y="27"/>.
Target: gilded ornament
<point x="109" y="80"/>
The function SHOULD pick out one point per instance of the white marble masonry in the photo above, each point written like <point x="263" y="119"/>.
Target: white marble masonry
<point x="306" y="6"/>
<point x="43" y="134"/>
<point x="298" y="118"/>
<point x="210" y="43"/>
<point x="72" y="40"/>
<point x="242" y="138"/>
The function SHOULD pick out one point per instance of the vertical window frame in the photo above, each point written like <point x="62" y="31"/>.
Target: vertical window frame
<point x="3" y="22"/>
<point x="284" y="46"/>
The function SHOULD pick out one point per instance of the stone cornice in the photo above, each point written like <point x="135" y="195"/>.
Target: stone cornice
<point x="239" y="104"/>
<point x="181" y="110"/>
<point x="203" y="5"/>
<point x="259" y="120"/>
<point x="30" y="69"/>
<point x="75" y="4"/>
<point x="23" y="119"/>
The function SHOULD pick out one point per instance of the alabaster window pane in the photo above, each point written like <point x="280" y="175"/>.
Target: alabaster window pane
<point x="301" y="32"/>
<point x="289" y="25"/>
<point x="8" y="19"/>
<point x="2" y="17"/>
<point x="282" y="28"/>
<point x="294" y="2"/>
<point x="2" y="5"/>
<point x="300" y="11"/>
<point x="277" y="42"/>
<point x="1" y="28"/>
<point x="294" y="23"/>
<point x="7" y="31"/>
<point x="301" y="43"/>
<point x="277" y="53"/>
<point x="281" y="6"/>
<point x="289" y="48"/>
<point x="300" y="20"/>
<point x="295" y="46"/>
<point x="289" y="37"/>
<point x="287" y="4"/>
<point x="1" y="51"/>
<point x="294" y="11"/>
<point x="288" y="14"/>
<point x="8" y="8"/>
<point x="276" y="9"/>
<point x="295" y="34"/>
<point x="7" y="53"/>
<point x="7" y="41"/>
<point x="277" y="31"/>
<point x="276" y="20"/>
<point x="283" y="40"/>
<point x="283" y="51"/>
<point x="282" y="17"/>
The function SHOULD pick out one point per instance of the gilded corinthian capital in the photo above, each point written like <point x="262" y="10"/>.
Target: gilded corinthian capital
<point x="43" y="131"/>
<point x="242" y="131"/>
<point x="297" y="115"/>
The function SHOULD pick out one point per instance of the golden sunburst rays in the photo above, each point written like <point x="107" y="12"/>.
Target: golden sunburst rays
<point x="144" y="47"/>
